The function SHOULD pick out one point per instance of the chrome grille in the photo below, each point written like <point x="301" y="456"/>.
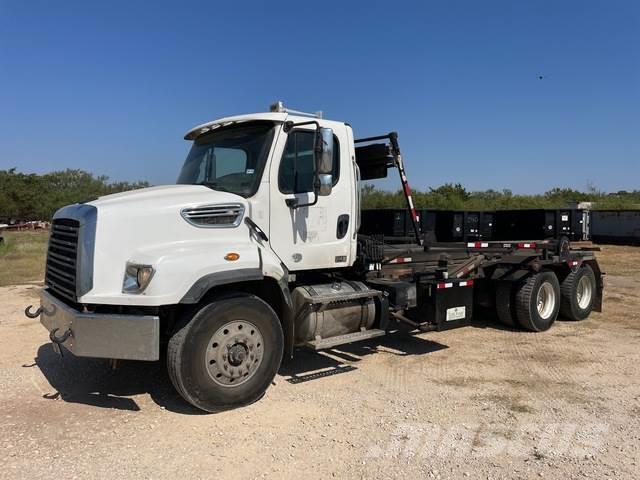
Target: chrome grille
<point x="62" y="257"/>
<point x="212" y="216"/>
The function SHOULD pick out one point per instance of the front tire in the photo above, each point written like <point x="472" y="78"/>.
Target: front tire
<point x="578" y="294"/>
<point x="538" y="302"/>
<point x="227" y="354"/>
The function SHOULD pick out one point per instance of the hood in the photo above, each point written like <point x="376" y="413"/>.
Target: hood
<point x="147" y="227"/>
<point x="166" y="196"/>
<point x="156" y="209"/>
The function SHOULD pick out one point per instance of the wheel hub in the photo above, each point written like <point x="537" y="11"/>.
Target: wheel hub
<point x="234" y="353"/>
<point x="237" y="354"/>
<point x="584" y="292"/>
<point x="546" y="300"/>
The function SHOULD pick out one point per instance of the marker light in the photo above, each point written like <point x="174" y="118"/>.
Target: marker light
<point x="232" y="256"/>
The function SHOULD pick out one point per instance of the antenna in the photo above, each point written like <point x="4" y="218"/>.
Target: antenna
<point x="280" y="108"/>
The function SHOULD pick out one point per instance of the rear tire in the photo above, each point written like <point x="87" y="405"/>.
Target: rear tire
<point x="227" y="354"/>
<point x="564" y="246"/>
<point x="505" y="304"/>
<point x="538" y="302"/>
<point x="578" y="291"/>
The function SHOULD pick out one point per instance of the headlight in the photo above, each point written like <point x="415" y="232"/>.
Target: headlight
<point x="136" y="278"/>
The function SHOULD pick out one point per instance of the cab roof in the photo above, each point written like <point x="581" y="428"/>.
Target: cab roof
<point x="278" y="117"/>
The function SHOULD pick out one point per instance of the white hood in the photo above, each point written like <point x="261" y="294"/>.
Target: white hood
<point x="165" y="196"/>
<point x="146" y="226"/>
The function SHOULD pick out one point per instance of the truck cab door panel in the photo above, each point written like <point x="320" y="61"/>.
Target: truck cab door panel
<point x="305" y="237"/>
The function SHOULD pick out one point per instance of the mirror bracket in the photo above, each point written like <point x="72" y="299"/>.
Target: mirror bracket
<point x="292" y="203"/>
<point x="288" y="126"/>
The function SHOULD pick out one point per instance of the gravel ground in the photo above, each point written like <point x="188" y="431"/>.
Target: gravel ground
<point x="479" y="402"/>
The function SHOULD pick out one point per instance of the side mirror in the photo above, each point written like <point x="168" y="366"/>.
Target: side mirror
<point x="322" y="163"/>
<point x="325" y="183"/>
<point x="324" y="151"/>
<point x="324" y="160"/>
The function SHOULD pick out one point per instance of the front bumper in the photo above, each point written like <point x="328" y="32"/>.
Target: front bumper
<point x="128" y="337"/>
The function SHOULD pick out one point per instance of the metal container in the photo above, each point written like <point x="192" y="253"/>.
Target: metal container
<point x="616" y="226"/>
<point x="391" y="222"/>
<point x="457" y="226"/>
<point x="539" y="224"/>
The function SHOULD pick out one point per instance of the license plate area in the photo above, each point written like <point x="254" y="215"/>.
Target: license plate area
<point x="456" y="313"/>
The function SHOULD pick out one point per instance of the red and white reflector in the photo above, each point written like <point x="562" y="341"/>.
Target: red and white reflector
<point x="464" y="283"/>
<point x="400" y="260"/>
<point x="477" y="245"/>
<point x="527" y="245"/>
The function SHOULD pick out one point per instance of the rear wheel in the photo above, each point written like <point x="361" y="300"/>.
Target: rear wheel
<point x="505" y="304"/>
<point x="564" y="246"/>
<point x="538" y="302"/>
<point x="227" y="354"/>
<point x="578" y="294"/>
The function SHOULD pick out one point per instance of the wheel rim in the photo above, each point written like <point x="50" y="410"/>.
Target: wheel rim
<point x="235" y="353"/>
<point x="584" y="292"/>
<point x="546" y="300"/>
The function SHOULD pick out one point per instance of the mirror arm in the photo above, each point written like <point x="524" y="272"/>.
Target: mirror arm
<point x="290" y="125"/>
<point x="256" y="229"/>
<point x="293" y="202"/>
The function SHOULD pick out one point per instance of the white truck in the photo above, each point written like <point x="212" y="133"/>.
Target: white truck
<point x="255" y="251"/>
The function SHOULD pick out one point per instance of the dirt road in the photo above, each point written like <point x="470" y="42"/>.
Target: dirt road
<point x="480" y="402"/>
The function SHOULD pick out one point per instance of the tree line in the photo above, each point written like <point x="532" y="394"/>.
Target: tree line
<point x="457" y="197"/>
<point x="36" y="197"/>
<point x="29" y="196"/>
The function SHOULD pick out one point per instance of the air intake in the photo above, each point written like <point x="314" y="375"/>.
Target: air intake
<point x="62" y="257"/>
<point x="214" y="216"/>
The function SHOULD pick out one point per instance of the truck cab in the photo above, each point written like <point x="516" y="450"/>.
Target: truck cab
<point x="270" y="161"/>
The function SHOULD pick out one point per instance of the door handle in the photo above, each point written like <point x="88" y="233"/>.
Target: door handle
<point x="343" y="226"/>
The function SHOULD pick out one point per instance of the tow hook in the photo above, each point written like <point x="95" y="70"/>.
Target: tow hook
<point x="57" y="341"/>
<point x="36" y="314"/>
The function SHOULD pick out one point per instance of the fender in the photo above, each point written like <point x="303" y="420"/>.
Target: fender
<point x="204" y="284"/>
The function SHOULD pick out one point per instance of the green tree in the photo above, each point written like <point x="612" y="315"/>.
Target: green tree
<point x="37" y="197"/>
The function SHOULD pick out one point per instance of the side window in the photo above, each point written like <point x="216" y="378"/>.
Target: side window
<point x="296" y="167"/>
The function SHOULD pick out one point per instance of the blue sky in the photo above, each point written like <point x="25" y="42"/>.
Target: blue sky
<point x="111" y="87"/>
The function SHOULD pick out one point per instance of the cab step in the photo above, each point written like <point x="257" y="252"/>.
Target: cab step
<point x="330" y="342"/>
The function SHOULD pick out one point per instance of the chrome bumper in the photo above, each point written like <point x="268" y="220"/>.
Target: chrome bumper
<point x="128" y="337"/>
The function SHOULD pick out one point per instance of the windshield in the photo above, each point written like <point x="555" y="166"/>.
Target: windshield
<point x="229" y="158"/>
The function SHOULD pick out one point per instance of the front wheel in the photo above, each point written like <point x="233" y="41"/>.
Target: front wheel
<point x="227" y="354"/>
<point x="538" y="302"/>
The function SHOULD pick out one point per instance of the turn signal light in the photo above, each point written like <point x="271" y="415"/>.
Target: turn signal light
<point x="232" y="256"/>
